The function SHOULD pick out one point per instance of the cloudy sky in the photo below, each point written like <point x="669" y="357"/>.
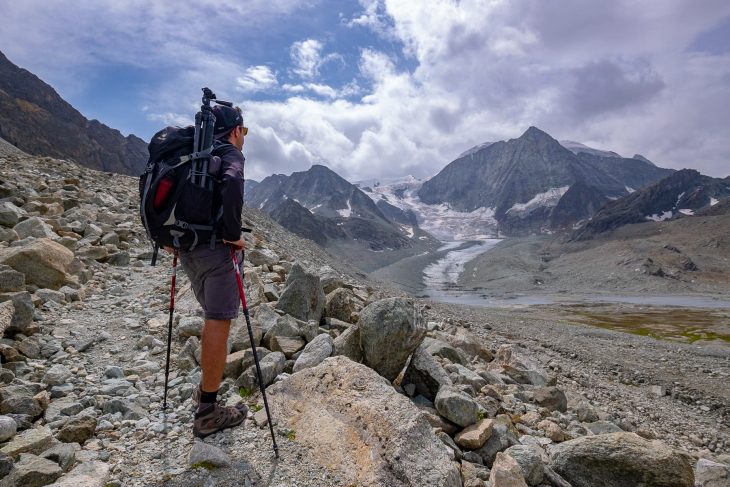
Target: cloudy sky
<point x="382" y="88"/>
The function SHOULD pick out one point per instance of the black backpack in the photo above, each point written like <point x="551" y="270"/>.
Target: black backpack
<point x="176" y="197"/>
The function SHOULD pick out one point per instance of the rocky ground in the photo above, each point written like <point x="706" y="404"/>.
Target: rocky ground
<point x="690" y="255"/>
<point x="366" y="387"/>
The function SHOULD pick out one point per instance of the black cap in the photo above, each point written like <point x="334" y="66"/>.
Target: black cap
<point x="226" y="118"/>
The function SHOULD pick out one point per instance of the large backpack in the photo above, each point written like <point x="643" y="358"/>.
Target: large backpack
<point x="177" y="199"/>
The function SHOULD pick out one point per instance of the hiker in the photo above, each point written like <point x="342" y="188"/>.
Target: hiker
<point x="213" y="280"/>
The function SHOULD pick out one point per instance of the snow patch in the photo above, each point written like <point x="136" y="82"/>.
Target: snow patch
<point x="347" y="211"/>
<point x="713" y="202"/>
<point x="687" y="211"/>
<point x="440" y="220"/>
<point x="548" y="198"/>
<point x="659" y="218"/>
<point x="577" y="147"/>
<point x="630" y="189"/>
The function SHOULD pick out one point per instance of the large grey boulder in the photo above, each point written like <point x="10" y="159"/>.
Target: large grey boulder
<point x="501" y="439"/>
<point x="426" y="374"/>
<point x="315" y="352"/>
<point x="390" y="330"/>
<point x="34" y="227"/>
<point x="7" y="310"/>
<point x="78" y="429"/>
<point x="58" y="374"/>
<point x="44" y="262"/>
<point x="551" y="398"/>
<point x="10" y="214"/>
<point x="442" y="349"/>
<point x="29" y="441"/>
<point x="456" y="406"/>
<point x="352" y="421"/>
<point x="271" y="365"/>
<point x="531" y="459"/>
<point x="33" y="471"/>
<point x="303" y="296"/>
<point x="11" y="280"/>
<point x="621" y="459"/>
<point x="21" y="399"/>
<point x="265" y="257"/>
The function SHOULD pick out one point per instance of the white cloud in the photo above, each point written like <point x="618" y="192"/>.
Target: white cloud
<point x="257" y="78"/>
<point x="306" y="58"/>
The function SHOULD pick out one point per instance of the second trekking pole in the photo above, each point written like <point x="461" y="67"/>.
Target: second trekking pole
<point x="169" y="326"/>
<point x="239" y="281"/>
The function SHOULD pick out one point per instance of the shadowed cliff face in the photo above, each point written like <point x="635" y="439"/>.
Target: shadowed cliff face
<point x="36" y="119"/>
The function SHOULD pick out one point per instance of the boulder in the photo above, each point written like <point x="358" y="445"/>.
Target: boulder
<point x="271" y="365"/>
<point x="531" y="459"/>
<point x="620" y="459"/>
<point x="203" y="454"/>
<point x="88" y="474"/>
<point x="442" y="349"/>
<point x="551" y="398"/>
<point x="348" y="344"/>
<point x="284" y="326"/>
<point x="711" y="474"/>
<point x="254" y="287"/>
<point x="475" y="435"/>
<point x="23" y="309"/>
<point x="426" y="374"/>
<point x="234" y="364"/>
<point x="33" y="471"/>
<point x="506" y="472"/>
<point x="342" y="305"/>
<point x="34" y="227"/>
<point x="11" y="280"/>
<point x="10" y="214"/>
<point x="264" y="257"/>
<point x="21" y="399"/>
<point x="191" y="326"/>
<point x="456" y="406"/>
<point x="8" y="428"/>
<point x="330" y="279"/>
<point x="77" y="429"/>
<point x="239" y="339"/>
<point x="286" y="345"/>
<point x="314" y="353"/>
<point x="29" y="441"/>
<point x="353" y="422"/>
<point x="552" y="430"/>
<point x="390" y="330"/>
<point x="264" y="317"/>
<point x="58" y="374"/>
<point x="63" y="454"/>
<point x="501" y="439"/>
<point x="44" y="262"/>
<point x="466" y="343"/>
<point x="7" y="310"/>
<point x="303" y="296"/>
<point x="516" y="364"/>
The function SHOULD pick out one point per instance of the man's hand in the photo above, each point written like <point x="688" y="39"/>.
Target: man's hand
<point x="168" y="249"/>
<point x="238" y="244"/>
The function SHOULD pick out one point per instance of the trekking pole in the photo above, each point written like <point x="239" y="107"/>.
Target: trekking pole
<point x="239" y="281"/>
<point x="169" y="326"/>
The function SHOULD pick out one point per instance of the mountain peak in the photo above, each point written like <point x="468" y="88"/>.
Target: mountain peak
<point x="534" y="132"/>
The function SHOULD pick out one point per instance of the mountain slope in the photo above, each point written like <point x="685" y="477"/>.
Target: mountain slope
<point x="523" y="180"/>
<point x="682" y="193"/>
<point x="320" y="205"/>
<point x="34" y="118"/>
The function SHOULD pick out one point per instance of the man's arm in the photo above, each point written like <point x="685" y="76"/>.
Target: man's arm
<point x="232" y="197"/>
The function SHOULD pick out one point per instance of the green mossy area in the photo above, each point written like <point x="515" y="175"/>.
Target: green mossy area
<point x="683" y="325"/>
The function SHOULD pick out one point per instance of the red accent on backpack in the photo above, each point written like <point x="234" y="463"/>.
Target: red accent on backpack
<point x="164" y="188"/>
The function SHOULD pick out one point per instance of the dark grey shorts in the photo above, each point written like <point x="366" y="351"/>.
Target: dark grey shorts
<point x="213" y="280"/>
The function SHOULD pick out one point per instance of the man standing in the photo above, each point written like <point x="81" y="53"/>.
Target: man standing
<point x="213" y="280"/>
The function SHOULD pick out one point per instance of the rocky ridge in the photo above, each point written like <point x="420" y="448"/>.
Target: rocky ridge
<point x="366" y="387"/>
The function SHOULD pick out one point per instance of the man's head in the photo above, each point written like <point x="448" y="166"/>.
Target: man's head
<point x="229" y="125"/>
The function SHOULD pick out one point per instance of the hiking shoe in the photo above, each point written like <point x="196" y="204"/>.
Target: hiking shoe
<point x="219" y="418"/>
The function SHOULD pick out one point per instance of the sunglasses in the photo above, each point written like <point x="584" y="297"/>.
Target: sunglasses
<point x="245" y="130"/>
